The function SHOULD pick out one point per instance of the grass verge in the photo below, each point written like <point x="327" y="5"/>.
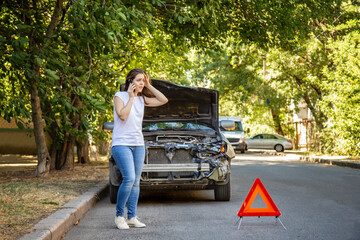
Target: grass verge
<point x="26" y="199"/>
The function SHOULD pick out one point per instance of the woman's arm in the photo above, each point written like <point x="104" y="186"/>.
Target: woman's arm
<point x="121" y="110"/>
<point x="159" y="98"/>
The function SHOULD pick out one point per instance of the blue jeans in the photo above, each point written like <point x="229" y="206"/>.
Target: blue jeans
<point x="130" y="161"/>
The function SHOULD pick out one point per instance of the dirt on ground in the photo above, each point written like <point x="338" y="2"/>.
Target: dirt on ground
<point x="25" y="199"/>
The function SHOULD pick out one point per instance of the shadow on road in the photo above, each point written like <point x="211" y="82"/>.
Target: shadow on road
<point x="176" y="196"/>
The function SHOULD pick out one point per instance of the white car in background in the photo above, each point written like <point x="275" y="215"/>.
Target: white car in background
<point x="269" y="141"/>
<point x="233" y="130"/>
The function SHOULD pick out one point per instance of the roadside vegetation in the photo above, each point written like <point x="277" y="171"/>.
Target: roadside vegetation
<point x="26" y="199"/>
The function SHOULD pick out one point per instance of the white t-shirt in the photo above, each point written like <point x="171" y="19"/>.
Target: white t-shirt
<point x="129" y="132"/>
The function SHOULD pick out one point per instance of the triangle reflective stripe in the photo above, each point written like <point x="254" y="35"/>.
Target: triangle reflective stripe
<point x="246" y="209"/>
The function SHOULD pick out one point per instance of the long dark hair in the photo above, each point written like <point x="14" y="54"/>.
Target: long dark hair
<point x="131" y="76"/>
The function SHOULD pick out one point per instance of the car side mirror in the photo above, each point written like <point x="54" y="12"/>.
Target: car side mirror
<point x="108" y="126"/>
<point x="227" y="124"/>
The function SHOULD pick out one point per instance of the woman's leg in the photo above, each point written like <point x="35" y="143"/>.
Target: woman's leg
<point x="139" y="156"/>
<point x="124" y="159"/>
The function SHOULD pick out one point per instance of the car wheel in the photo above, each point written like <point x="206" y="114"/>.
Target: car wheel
<point x="242" y="150"/>
<point x="279" y="148"/>
<point x="223" y="192"/>
<point x="113" y="192"/>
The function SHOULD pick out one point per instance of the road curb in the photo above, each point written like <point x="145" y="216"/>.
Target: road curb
<point x="57" y="224"/>
<point x="341" y="163"/>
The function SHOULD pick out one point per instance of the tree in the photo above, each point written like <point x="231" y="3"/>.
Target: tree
<point x="297" y="54"/>
<point x="59" y="52"/>
<point x="342" y="103"/>
<point x="318" y="73"/>
<point x="23" y="43"/>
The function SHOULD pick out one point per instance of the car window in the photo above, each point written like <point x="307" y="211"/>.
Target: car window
<point x="238" y="127"/>
<point x="268" y="136"/>
<point x="174" y="126"/>
<point x="258" y="137"/>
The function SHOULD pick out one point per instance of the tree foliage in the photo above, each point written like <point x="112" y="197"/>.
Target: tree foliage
<point x="62" y="61"/>
<point x="265" y="66"/>
<point x="68" y="56"/>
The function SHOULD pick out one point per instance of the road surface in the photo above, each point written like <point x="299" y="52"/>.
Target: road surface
<point x="316" y="202"/>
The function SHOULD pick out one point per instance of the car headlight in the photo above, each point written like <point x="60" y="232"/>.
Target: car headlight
<point x="214" y="150"/>
<point x="223" y="148"/>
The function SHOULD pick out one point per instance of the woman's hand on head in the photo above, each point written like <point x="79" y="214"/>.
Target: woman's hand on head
<point x="146" y="80"/>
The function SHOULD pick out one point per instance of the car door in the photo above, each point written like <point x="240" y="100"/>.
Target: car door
<point x="256" y="141"/>
<point x="269" y="141"/>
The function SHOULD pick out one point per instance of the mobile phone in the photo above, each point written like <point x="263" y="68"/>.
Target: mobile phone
<point x="131" y="81"/>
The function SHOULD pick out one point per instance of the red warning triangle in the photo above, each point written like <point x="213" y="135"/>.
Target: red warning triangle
<point x="246" y="209"/>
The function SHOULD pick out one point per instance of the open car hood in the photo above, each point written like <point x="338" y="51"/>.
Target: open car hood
<point x="186" y="104"/>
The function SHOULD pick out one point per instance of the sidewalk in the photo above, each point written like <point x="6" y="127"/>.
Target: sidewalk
<point x="342" y="161"/>
<point x="57" y="224"/>
<point x="333" y="160"/>
<point x="17" y="172"/>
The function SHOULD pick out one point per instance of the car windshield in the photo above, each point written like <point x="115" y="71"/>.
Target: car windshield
<point x="238" y="128"/>
<point x="174" y="126"/>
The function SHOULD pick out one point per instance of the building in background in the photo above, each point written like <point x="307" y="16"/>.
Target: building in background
<point x="303" y="123"/>
<point x="14" y="140"/>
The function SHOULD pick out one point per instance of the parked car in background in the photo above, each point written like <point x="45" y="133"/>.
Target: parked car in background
<point x="233" y="130"/>
<point x="269" y="141"/>
<point x="184" y="146"/>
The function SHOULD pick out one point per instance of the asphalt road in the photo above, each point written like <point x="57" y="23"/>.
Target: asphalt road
<point x="316" y="202"/>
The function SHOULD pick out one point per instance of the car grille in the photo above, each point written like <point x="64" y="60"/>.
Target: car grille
<point x="157" y="156"/>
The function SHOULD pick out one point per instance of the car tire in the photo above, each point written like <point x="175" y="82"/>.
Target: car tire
<point x="242" y="151"/>
<point x="223" y="192"/>
<point x="279" y="148"/>
<point x="113" y="192"/>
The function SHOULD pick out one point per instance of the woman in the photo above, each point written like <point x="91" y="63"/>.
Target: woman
<point x="128" y="148"/>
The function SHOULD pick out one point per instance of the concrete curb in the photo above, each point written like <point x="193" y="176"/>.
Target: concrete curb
<point x="57" y="224"/>
<point x="341" y="163"/>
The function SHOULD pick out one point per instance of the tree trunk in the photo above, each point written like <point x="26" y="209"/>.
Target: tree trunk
<point x="43" y="166"/>
<point x="65" y="155"/>
<point x="277" y="123"/>
<point x="69" y="157"/>
<point x="83" y="151"/>
<point x="53" y="155"/>
<point x="44" y="160"/>
<point x="319" y="116"/>
<point x="103" y="147"/>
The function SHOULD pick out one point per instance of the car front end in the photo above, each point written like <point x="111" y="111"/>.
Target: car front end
<point x="237" y="140"/>
<point x="184" y="158"/>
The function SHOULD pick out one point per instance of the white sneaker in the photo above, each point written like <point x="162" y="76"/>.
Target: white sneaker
<point x="135" y="222"/>
<point x="121" y="223"/>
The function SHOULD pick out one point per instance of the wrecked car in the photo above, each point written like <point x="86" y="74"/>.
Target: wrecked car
<point x="184" y="146"/>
